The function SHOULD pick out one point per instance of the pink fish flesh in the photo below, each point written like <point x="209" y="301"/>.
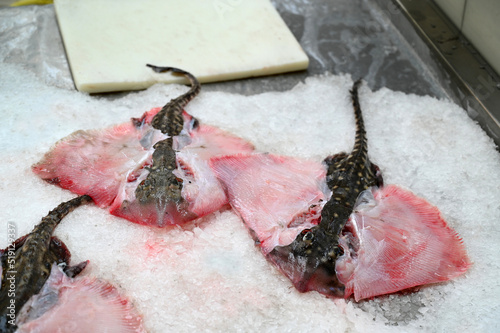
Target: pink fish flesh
<point x="276" y="196"/>
<point x="393" y="240"/>
<point x="109" y="164"/>
<point x="81" y="304"/>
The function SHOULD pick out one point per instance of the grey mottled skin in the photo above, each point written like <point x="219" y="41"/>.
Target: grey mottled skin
<point x="30" y="263"/>
<point x="169" y="120"/>
<point x="161" y="186"/>
<point x="315" y="250"/>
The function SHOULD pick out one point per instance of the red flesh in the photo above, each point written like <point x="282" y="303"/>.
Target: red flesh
<point x="81" y="305"/>
<point x="276" y="196"/>
<point x="401" y="241"/>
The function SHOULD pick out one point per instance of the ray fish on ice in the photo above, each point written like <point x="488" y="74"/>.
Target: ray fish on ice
<point x="334" y="227"/>
<point x="152" y="170"/>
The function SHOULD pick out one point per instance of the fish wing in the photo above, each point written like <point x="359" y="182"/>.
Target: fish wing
<point x="392" y="242"/>
<point x="81" y="304"/>
<point x="396" y="240"/>
<point x="94" y="162"/>
<point x="109" y="164"/>
<point x="276" y="196"/>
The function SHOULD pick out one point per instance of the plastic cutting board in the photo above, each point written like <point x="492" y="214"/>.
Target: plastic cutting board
<point x="109" y="42"/>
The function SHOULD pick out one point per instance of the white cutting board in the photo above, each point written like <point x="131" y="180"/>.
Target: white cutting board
<point x="109" y="42"/>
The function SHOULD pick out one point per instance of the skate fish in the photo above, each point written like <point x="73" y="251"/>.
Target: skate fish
<point x="335" y="228"/>
<point x="41" y="292"/>
<point x="26" y="264"/>
<point x="152" y="170"/>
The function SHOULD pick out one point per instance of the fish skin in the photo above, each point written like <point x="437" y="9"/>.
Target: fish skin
<point x="161" y="186"/>
<point x="34" y="255"/>
<point x="169" y="120"/>
<point x="316" y="250"/>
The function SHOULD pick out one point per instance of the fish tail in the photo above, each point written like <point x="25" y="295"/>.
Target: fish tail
<point x="170" y="120"/>
<point x="54" y="217"/>
<point x="195" y="84"/>
<point x="360" y="144"/>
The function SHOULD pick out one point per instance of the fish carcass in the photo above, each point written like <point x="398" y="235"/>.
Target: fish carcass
<point x="335" y="228"/>
<point x="152" y="170"/>
<point x="41" y="292"/>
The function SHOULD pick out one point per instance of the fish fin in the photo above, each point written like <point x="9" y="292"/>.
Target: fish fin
<point x="397" y="241"/>
<point x="378" y="175"/>
<point x="276" y="196"/>
<point x="58" y="252"/>
<point x="82" y="305"/>
<point x="94" y="162"/>
<point x="72" y="271"/>
<point x="331" y="160"/>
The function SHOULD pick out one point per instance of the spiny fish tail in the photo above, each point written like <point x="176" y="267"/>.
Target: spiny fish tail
<point x="55" y="216"/>
<point x="169" y="119"/>
<point x="195" y="84"/>
<point x="67" y="207"/>
<point x="360" y="141"/>
<point x="163" y="69"/>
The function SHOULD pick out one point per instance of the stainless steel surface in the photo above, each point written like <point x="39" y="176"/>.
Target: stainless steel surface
<point x="470" y="82"/>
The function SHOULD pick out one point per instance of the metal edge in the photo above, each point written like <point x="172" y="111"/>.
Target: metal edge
<point x="469" y="80"/>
